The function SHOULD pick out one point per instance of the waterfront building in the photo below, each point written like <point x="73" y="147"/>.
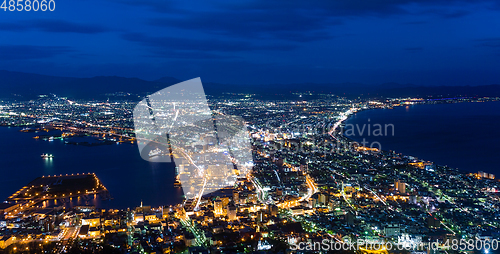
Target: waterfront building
<point x="485" y="175"/>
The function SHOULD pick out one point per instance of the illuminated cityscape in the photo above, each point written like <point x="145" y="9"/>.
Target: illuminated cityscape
<point x="325" y="126"/>
<point x="308" y="182"/>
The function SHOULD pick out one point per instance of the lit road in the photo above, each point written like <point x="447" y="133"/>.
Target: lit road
<point x="70" y="233"/>
<point x="200" y="173"/>
<point x="263" y="197"/>
<point x="198" y="233"/>
<point x="312" y="188"/>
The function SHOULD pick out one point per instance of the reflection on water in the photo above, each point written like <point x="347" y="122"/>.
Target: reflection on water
<point x="89" y="200"/>
<point x="461" y="135"/>
<point x="128" y="178"/>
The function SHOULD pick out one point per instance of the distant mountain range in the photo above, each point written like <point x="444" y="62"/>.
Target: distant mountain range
<point x="29" y="85"/>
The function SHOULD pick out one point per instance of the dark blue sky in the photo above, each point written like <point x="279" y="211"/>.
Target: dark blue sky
<point x="426" y="42"/>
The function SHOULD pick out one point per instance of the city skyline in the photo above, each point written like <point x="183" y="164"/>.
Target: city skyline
<point x="309" y="181"/>
<point x="254" y="126"/>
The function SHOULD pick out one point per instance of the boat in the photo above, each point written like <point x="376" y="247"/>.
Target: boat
<point x="47" y="156"/>
<point x="177" y="183"/>
<point x="155" y="152"/>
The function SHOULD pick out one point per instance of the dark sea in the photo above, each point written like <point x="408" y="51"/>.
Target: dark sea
<point x="128" y="178"/>
<point x="462" y="135"/>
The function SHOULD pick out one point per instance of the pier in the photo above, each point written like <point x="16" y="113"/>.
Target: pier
<point x="57" y="187"/>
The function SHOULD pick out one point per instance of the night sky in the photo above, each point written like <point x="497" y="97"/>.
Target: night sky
<point x="427" y="42"/>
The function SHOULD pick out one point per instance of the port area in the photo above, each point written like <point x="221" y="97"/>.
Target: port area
<point x="85" y="139"/>
<point x="76" y="136"/>
<point x="62" y="188"/>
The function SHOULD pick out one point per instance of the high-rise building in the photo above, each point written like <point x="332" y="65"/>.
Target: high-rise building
<point x="236" y="197"/>
<point x="218" y="207"/>
<point x="323" y="199"/>
<point x="231" y="212"/>
<point x="225" y="201"/>
<point x="252" y="198"/>
<point x="400" y="186"/>
<point x="260" y="216"/>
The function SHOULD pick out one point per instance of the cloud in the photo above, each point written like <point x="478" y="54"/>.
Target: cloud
<point x="456" y="14"/>
<point x="297" y="20"/>
<point x="321" y="7"/>
<point x="489" y="42"/>
<point x="201" y="45"/>
<point x="53" y="26"/>
<point x="58" y="26"/>
<point x="185" y="54"/>
<point x="360" y="7"/>
<point x="414" y="23"/>
<point x="26" y="52"/>
<point x="447" y="14"/>
<point x="153" y="5"/>
<point x="414" y="48"/>
<point x="13" y="27"/>
<point x="288" y="25"/>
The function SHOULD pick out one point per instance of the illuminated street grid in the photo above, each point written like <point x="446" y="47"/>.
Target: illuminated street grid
<point x="308" y="183"/>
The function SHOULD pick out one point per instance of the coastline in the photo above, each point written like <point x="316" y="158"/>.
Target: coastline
<point x="396" y="150"/>
<point x="120" y="169"/>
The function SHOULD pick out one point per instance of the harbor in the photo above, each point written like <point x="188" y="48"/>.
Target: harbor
<point x="55" y="191"/>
